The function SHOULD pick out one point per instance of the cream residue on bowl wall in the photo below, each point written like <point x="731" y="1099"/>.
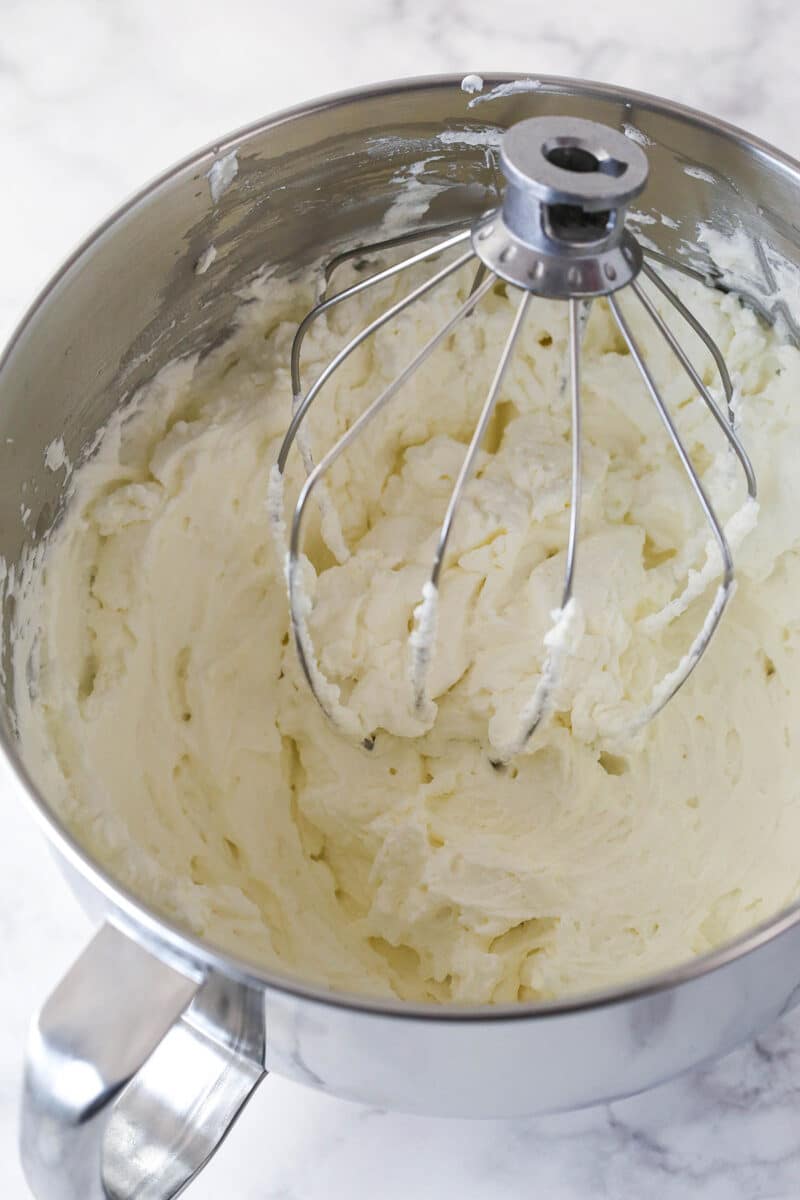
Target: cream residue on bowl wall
<point x="471" y="84"/>
<point x="221" y="175"/>
<point x="206" y="259"/>
<point x="514" y="88"/>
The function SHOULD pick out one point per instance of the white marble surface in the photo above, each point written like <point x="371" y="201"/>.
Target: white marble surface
<point x="95" y="97"/>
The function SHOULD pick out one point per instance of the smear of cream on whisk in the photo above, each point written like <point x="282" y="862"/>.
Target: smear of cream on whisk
<point x="664" y="688"/>
<point x="421" y="644"/>
<point x="507" y="89"/>
<point x="737" y="528"/>
<point x="275" y="510"/>
<point x="561" y="639"/>
<point x="300" y="605"/>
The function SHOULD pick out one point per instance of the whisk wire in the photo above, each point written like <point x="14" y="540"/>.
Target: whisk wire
<point x="301" y="410"/>
<point x="478" y="435"/>
<point x="690" y="370"/>
<point x="354" y="290"/>
<point x="366" y="250"/>
<point x="544" y="240"/>
<point x="678" y="677"/>
<point x="575" y="324"/>
<point x="701" y="331"/>
<point x="421" y="645"/>
<point x="480" y="275"/>
<point x="557" y="639"/>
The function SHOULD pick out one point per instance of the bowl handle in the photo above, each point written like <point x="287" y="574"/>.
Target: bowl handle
<point x="119" y="1027"/>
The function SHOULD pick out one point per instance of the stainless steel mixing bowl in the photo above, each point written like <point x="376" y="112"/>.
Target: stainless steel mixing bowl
<point x="145" y="1052"/>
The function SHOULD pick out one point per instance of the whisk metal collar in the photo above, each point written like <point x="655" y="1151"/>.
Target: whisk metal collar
<point x="560" y="232"/>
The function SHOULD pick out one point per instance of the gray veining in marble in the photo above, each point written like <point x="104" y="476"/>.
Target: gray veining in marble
<point x="95" y="97"/>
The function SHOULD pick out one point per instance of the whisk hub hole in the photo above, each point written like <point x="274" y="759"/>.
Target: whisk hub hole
<point x="570" y="155"/>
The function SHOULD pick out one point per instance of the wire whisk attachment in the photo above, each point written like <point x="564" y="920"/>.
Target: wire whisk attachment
<point x="560" y="233"/>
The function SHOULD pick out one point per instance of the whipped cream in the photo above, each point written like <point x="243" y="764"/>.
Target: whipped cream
<point x="169" y="723"/>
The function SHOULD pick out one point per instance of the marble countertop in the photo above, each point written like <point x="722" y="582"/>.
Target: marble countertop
<point x="94" y="99"/>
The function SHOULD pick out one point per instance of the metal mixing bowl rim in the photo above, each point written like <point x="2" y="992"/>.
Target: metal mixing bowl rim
<point x="130" y="913"/>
